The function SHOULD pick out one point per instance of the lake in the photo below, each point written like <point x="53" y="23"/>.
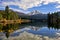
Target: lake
<point x="13" y="31"/>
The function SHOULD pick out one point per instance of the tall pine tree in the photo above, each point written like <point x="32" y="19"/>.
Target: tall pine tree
<point x="7" y="12"/>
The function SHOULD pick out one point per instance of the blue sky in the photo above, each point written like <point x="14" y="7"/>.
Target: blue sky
<point x="27" y="6"/>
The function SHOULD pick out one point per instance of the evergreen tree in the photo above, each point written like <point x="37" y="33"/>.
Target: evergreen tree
<point x="7" y="12"/>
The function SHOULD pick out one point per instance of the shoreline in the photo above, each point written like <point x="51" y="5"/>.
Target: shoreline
<point x="14" y="21"/>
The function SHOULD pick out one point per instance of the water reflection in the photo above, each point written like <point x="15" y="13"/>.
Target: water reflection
<point x="52" y="25"/>
<point x="39" y="28"/>
<point x="9" y="28"/>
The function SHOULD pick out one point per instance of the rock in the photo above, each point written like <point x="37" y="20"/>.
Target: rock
<point x="59" y="38"/>
<point x="51" y="39"/>
<point x="40" y="38"/>
<point x="29" y="36"/>
<point x="45" y="38"/>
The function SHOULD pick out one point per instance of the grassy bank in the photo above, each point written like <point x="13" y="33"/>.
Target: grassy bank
<point x="13" y="21"/>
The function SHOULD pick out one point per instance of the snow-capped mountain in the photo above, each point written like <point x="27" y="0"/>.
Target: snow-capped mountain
<point x="33" y="15"/>
<point x="34" y="12"/>
<point x="37" y="15"/>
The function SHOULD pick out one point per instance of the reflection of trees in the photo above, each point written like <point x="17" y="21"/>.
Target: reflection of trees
<point x="55" y="26"/>
<point x="8" y="28"/>
<point x="54" y="20"/>
<point x="1" y="26"/>
<point x="34" y="25"/>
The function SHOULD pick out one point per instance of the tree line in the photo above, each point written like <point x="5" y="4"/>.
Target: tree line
<point x="8" y="14"/>
<point x="54" y="18"/>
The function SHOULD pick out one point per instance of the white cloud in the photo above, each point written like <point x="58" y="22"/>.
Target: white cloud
<point x="18" y="10"/>
<point x="57" y="10"/>
<point x="25" y="4"/>
<point x="58" y="6"/>
<point x="15" y="9"/>
<point x="50" y="1"/>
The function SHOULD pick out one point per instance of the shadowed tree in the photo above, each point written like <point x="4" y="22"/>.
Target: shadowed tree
<point x="7" y="12"/>
<point x="48" y="18"/>
<point x="1" y="16"/>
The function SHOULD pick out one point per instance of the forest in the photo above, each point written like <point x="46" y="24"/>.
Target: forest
<point x="54" y="19"/>
<point x="8" y="14"/>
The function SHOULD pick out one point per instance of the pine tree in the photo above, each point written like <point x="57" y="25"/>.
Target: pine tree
<point x="7" y="12"/>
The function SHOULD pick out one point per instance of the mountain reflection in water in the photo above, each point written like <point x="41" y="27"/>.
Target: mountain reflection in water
<point x="39" y="28"/>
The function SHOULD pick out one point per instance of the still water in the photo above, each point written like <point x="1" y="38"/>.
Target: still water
<point x="36" y="28"/>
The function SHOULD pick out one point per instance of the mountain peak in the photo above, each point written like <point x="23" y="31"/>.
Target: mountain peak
<point x="34" y="12"/>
